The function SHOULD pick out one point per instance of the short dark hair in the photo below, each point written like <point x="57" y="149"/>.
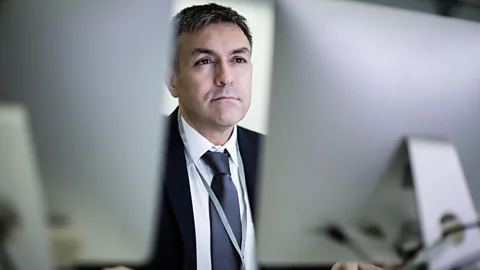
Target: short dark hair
<point x="195" y="17"/>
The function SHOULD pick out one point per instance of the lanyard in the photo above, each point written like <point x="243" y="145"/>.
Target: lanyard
<point x="216" y="203"/>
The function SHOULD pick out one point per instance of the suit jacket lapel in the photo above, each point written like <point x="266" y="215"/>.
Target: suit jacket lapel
<point x="178" y="190"/>
<point x="249" y="153"/>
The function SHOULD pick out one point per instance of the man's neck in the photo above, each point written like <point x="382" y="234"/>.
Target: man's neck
<point x="216" y="135"/>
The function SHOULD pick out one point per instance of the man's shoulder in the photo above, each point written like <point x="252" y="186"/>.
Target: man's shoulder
<point x="253" y="136"/>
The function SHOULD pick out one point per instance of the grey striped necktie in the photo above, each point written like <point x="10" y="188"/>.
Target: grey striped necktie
<point x="223" y="253"/>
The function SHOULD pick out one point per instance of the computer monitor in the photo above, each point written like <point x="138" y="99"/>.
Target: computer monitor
<point x="350" y="82"/>
<point x="90" y="75"/>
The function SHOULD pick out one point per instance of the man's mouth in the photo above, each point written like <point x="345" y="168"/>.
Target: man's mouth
<point x="225" y="98"/>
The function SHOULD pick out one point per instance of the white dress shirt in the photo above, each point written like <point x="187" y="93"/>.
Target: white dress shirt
<point x="197" y="145"/>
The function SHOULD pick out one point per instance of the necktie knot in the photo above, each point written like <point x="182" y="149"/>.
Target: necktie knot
<point x="218" y="161"/>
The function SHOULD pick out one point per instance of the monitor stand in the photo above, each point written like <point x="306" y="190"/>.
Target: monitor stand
<point x="424" y="186"/>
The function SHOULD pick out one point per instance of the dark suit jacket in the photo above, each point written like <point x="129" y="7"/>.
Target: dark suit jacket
<point x="175" y="245"/>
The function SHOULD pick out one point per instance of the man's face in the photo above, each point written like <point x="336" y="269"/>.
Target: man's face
<point x="214" y="77"/>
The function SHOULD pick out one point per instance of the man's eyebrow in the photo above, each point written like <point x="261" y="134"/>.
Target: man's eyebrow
<point x="241" y="50"/>
<point x="202" y="51"/>
<point x="212" y="52"/>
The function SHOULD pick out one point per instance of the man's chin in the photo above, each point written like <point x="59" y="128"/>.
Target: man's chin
<point x="227" y="115"/>
<point x="229" y="119"/>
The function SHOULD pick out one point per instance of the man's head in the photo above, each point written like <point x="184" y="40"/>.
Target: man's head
<point x="212" y="72"/>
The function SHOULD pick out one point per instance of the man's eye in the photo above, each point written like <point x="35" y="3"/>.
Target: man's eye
<point x="239" y="60"/>
<point x="203" y="62"/>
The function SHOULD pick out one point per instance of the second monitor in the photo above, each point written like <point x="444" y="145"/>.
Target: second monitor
<point x="350" y="82"/>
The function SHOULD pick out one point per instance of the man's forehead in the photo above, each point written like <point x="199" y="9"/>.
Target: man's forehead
<point x="222" y="38"/>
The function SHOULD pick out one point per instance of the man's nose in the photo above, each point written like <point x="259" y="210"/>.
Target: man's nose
<point x="223" y="75"/>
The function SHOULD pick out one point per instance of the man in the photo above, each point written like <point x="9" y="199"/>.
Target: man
<point x="212" y="79"/>
<point x="209" y="157"/>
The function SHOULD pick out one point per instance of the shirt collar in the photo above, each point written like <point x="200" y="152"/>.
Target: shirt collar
<point x="197" y="145"/>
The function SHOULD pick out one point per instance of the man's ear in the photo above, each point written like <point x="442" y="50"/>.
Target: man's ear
<point x="170" y="81"/>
